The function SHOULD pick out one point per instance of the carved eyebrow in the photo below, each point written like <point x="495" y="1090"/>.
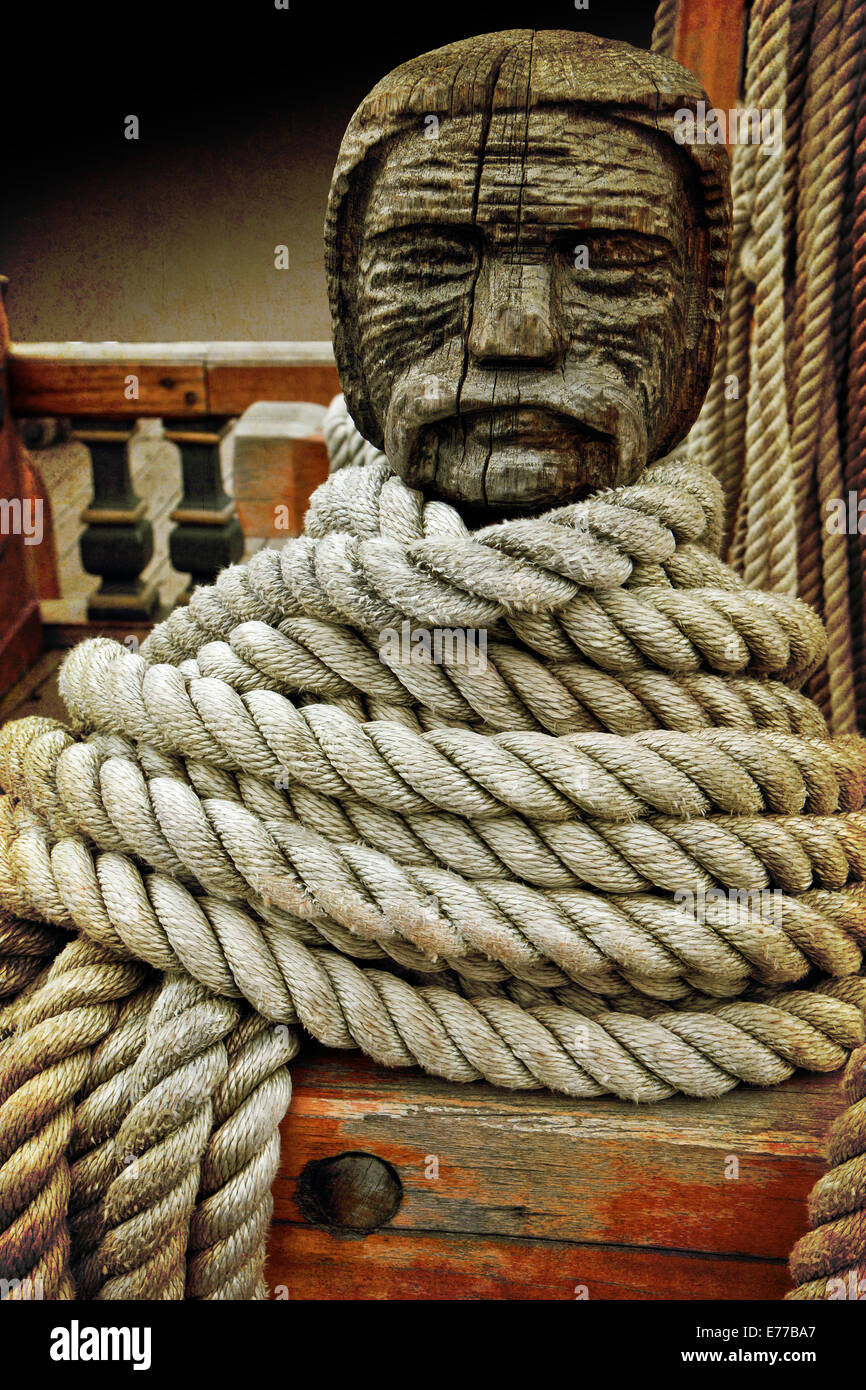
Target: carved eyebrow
<point x="472" y="234"/>
<point x="451" y="208"/>
<point x="467" y="231"/>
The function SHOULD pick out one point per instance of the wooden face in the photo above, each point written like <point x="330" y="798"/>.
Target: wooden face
<point x="524" y="294"/>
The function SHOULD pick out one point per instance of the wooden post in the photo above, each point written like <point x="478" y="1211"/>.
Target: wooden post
<point x="710" y="42"/>
<point x="207" y="536"/>
<point x="117" y="543"/>
<point x="279" y="459"/>
<point x="20" y="628"/>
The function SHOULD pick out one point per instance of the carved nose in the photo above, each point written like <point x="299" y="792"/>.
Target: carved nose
<point x="516" y="322"/>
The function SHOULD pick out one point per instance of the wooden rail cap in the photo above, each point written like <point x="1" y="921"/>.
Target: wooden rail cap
<point x="134" y="380"/>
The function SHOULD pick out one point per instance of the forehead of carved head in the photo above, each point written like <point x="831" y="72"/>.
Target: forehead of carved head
<point x="527" y="296"/>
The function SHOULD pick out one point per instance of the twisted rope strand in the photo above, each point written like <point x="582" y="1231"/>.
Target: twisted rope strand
<point x="829" y="1262"/>
<point x="161" y="1142"/>
<point x="42" y="1067"/>
<point x="228" y="1230"/>
<point x="221" y="809"/>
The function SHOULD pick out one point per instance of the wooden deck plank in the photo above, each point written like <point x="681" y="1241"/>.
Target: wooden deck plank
<point x="305" y="1263"/>
<point x="505" y="1191"/>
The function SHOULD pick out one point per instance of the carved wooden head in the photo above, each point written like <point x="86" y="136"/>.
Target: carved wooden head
<point x="525" y="270"/>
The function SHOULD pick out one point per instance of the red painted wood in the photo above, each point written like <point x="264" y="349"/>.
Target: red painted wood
<point x="20" y="630"/>
<point x="709" y="42"/>
<point x="529" y="1193"/>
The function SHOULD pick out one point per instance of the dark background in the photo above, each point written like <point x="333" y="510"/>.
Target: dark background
<point x="241" y="109"/>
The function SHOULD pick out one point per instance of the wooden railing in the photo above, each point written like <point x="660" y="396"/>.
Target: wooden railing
<point x="177" y="380"/>
<point x="96" y="393"/>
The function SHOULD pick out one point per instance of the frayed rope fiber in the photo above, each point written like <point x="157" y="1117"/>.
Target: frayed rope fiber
<point x="620" y="855"/>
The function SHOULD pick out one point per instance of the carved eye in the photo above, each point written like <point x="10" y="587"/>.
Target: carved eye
<point x="430" y="250"/>
<point x="616" y="250"/>
<point x="445" y="253"/>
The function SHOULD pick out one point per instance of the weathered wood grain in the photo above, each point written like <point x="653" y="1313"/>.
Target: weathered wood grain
<point x="53" y="386"/>
<point x="231" y="388"/>
<point x="525" y="266"/>
<point x="503" y="1191"/>
<point x="309" y="1264"/>
<point x="349" y="1193"/>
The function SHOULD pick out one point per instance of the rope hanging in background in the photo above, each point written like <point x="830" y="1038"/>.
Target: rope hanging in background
<point x="784" y="429"/>
<point x="782" y="424"/>
<point x="212" y="823"/>
<point x="830" y="1262"/>
<point x="665" y="28"/>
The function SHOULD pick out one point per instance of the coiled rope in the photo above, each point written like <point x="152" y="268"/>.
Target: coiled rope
<point x="619" y="856"/>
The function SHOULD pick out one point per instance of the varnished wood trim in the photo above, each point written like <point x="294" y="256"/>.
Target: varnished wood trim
<point x="183" y="380"/>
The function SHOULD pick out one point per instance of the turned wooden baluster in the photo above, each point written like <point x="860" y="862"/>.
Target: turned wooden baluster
<point x="117" y="543"/>
<point x="207" y="535"/>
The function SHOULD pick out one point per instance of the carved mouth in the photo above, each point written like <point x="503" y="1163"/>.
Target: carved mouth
<point x="528" y="427"/>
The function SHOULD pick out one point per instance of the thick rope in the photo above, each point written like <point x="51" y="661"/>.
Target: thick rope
<point x="806" y="401"/>
<point x="25" y="947"/>
<point x="42" y="1068"/>
<point x="478" y="870"/>
<point x="702" y="1052"/>
<point x="506" y="769"/>
<point x="771" y="428"/>
<point x="720" y="430"/>
<point x="229" y="1227"/>
<point x="830" y="1262"/>
<point x="643" y="936"/>
<point x="100" y="1106"/>
<point x="344" y="443"/>
<point x="161" y="1142"/>
<point x="665" y="27"/>
<point x="855" y="419"/>
<point x="770" y="553"/>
